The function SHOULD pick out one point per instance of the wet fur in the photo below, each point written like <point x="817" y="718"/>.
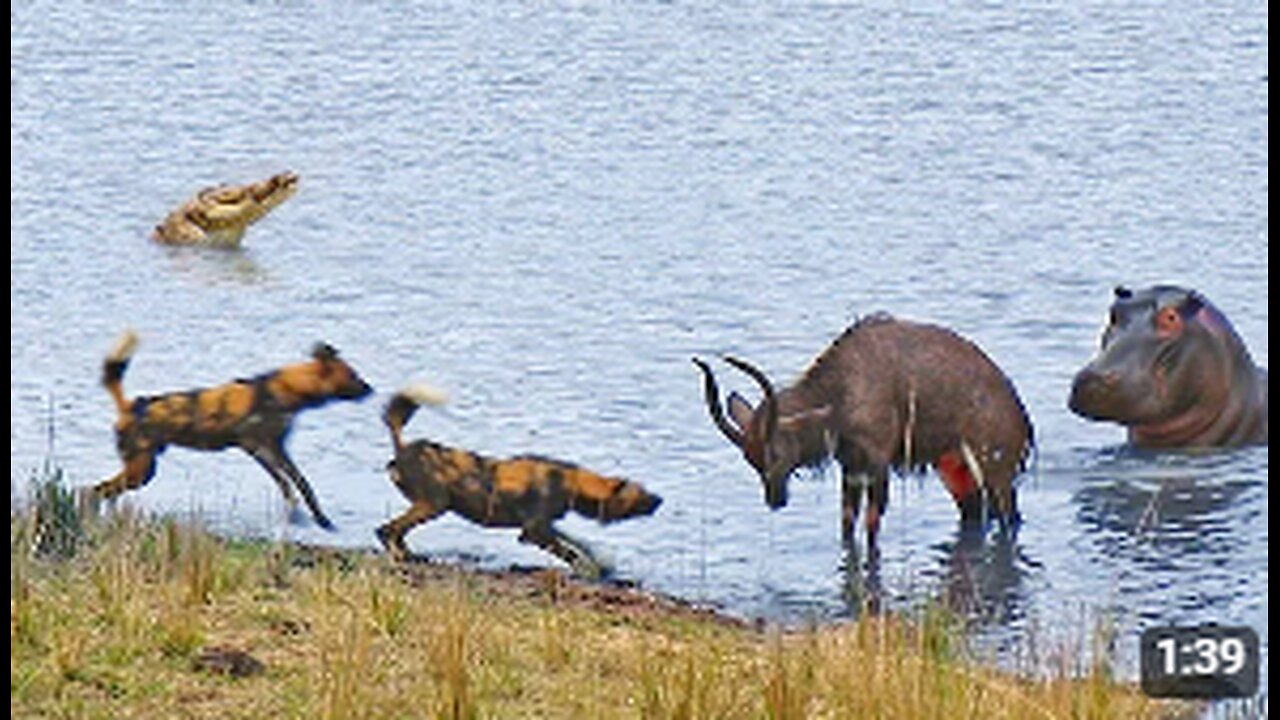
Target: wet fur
<point x="892" y="394"/>
<point x="527" y="492"/>
<point x="254" y="415"/>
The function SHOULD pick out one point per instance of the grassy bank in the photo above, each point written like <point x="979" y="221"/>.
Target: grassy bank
<point x="130" y="617"/>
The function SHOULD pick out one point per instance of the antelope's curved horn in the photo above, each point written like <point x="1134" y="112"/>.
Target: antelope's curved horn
<point x="712" y="392"/>
<point x="771" y="420"/>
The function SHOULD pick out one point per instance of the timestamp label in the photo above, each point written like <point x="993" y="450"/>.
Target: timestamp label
<point x="1205" y="661"/>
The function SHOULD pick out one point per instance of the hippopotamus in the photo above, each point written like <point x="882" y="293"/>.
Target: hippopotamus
<point x="1174" y="372"/>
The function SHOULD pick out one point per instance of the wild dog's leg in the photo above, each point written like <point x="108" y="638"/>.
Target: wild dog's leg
<point x="542" y="534"/>
<point x="276" y="461"/>
<point x="304" y="487"/>
<point x="139" y="468"/>
<point x="281" y="479"/>
<point x="392" y="534"/>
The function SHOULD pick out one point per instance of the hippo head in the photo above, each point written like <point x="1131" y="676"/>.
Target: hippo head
<point x="1165" y="367"/>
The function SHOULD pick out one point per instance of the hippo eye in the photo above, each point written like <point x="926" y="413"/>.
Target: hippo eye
<point x="1168" y="321"/>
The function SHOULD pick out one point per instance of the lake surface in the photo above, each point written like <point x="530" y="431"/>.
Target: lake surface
<point x="547" y="211"/>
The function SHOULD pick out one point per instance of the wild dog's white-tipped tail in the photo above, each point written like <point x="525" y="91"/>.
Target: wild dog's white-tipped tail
<point x="405" y="403"/>
<point x="424" y="394"/>
<point x="114" y="366"/>
<point x="124" y="346"/>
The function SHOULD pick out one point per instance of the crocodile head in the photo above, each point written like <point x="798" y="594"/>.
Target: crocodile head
<point x="220" y="215"/>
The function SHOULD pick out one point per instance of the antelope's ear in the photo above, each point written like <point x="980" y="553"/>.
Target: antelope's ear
<point x="740" y="411"/>
<point x="818" y="414"/>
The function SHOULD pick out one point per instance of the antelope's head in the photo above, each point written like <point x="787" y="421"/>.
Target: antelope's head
<point x="774" y="442"/>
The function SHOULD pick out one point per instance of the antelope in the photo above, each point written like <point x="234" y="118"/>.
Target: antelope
<point x="887" y="393"/>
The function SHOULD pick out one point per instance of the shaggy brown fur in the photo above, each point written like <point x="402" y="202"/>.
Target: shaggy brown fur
<point x="887" y="394"/>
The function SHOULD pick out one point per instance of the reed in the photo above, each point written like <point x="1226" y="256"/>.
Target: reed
<point x="121" y="626"/>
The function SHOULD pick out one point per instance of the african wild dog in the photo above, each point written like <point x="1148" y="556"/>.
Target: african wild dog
<point x="254" y="414"/>
<point x="526" y="492"/>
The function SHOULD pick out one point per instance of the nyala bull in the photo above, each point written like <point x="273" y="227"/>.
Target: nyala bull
<point x="254" y="415"/>
<point x="526" y="492"/>
<point x="220" y="215"/>
<point x="886" y="394"/>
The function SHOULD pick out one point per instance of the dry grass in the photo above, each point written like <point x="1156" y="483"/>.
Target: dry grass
<point x="115" y="630"/>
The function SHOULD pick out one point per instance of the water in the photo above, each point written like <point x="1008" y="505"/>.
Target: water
<point x="549" y="210"/>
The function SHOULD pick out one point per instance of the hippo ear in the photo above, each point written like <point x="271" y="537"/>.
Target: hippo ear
<point x="323" y="351"/>
<point x="1191" y="304"/>
<point x="740" y="411"/>
<point x="1123" y="293"/>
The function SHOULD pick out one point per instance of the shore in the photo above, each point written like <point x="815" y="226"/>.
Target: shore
<point x="136" y="617"/>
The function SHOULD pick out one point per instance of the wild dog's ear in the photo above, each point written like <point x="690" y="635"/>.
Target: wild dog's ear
<point x="740" y="411"/>
<point x="803" y="417"/>
<point x="324" y="352"/>
<point x="1123" y="293"/>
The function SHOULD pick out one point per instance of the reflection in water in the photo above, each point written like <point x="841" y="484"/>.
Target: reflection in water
<point x="981" y="577"/>
<point x="217" y="266"/>
<point x="1172" y="521"/>
<point x="862" y="590"/>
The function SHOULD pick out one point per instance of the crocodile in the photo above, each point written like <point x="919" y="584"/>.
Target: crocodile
<point x="220" y="215"/>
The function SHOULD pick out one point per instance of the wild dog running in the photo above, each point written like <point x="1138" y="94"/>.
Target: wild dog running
<point x="254" y="415"/>
<point x="526" y="492"/>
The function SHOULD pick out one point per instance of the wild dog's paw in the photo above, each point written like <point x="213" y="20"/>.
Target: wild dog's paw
<point x="396" y="549"/>
<point x="587" y="569"/>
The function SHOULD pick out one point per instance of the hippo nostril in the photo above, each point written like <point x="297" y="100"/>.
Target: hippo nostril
<point x="1094" y="392"/>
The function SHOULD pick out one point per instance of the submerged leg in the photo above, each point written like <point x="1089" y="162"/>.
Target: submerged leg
<point x="877" y="502"/>
<point x="852" y="485"/>
<point x="963" y="487"/>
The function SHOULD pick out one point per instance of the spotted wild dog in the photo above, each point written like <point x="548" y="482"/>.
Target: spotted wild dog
<point x="220" y="215"/>
<point x="526" y="492"/>
<point x="254" y="415"/>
